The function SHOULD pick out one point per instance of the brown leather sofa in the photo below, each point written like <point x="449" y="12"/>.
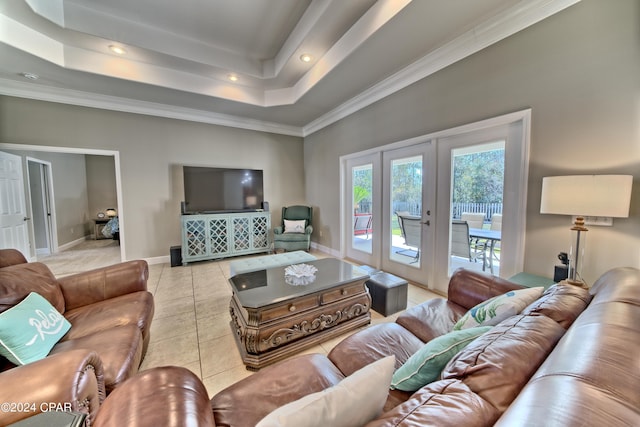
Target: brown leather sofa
<point x="569" y="359"/>
<point x="110" y="312"/>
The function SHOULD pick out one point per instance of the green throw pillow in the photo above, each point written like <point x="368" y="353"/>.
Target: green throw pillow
<point x="30" y="329"/>
<point x="425" y="365"/>
<point x="495" y="310"/>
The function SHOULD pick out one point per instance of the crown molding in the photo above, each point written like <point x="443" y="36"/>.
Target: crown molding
<point x="489" y="32"/>
<point x="106" y="102"/>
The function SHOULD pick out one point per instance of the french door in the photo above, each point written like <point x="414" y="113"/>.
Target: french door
<point x="388" y="202"/>
<point x="362" y="210"/>
<point x="408" y="192"/>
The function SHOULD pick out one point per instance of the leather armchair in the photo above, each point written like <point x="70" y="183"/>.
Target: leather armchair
<point x="294" y="241"/>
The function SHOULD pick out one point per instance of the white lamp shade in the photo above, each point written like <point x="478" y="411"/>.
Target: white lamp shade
<point x="587" y="195"/>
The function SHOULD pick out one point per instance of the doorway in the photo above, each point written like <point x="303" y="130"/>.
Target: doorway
<point x="32" y="150"/>
<point x="42" y="206"/>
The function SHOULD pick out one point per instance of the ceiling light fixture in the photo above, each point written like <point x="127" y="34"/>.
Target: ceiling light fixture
<point x="233" y="77"/>
<point x="305" y="57"/>
<point x="117" y="49"/>
<point x="30" y="76"/>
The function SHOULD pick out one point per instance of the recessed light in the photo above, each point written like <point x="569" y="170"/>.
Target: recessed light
<point x="305" y="57"/>
<point x="233" y="77"/>
<point x="30" y="76"/>
<point x="117" y="49"/>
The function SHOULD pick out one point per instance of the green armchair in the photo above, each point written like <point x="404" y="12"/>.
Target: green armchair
<point x="295" y="232"/>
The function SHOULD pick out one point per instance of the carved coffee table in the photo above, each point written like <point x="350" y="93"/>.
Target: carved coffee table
<point x="272" y="319"/>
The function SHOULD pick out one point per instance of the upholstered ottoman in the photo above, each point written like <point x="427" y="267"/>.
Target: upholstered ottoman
<point x="388" y="293"/>
<point x="269" y="261"/>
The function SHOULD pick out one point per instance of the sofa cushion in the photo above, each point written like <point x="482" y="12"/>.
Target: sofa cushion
<point x="129" y="309"/>
<point x="446" y="403"/>
<point x="425" y="366"/>
<point x="119" y="348"/>
<point x="251" y="399"/>
<point x="431" y="319"/>
<point x="374" y="343"/>
<point x="498" y="308"/>
<point x="366" y="390"/>
<point x="30" y="329"/>
<point x="18" y="281"/>
<point x="499" y="363"/>
<point x="562" y="303"/>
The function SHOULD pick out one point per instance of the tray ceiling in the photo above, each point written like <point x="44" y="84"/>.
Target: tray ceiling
<point x="179" y="56"/>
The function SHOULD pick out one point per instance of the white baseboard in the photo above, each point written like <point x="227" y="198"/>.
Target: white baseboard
<point x="72" y="244"/>
<point x="158" y="260"/>
<point x="326" y="250"/>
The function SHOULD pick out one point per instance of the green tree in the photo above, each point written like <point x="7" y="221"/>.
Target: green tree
<point x="479" y="177"/>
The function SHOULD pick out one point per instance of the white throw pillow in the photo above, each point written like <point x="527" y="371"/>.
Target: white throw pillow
<point x="354" y="401"/>
<point x="294" y="226"/>
<point x="495" y="310"/>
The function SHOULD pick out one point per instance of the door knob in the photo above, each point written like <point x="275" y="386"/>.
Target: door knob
<point x="26" y="218"/>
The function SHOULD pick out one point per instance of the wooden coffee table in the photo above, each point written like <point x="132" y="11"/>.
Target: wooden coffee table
<point x="272" y="319"/>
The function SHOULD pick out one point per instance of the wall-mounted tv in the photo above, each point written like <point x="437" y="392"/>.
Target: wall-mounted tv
<point x="211" y="190"/>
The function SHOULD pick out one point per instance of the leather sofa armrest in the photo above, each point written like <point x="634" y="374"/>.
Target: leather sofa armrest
<point x="468" y="288"/>
<point x="10" y="257"/>
<point x="104" y="283"/>
<point x="277" y="230"/>
<point x="166" y="396"/>
<point x="68" y="381"/>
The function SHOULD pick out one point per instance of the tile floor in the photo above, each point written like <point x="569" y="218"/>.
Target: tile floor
<point x="191" y="322"/>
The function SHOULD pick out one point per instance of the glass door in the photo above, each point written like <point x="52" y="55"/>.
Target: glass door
<point x="481" y="202"/>
<point x="408" y="189"/>
<point x="362" y="216"/>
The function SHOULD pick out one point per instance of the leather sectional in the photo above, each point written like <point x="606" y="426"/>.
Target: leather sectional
<point x="568" y="359"/>
<point x="110" y="311"/>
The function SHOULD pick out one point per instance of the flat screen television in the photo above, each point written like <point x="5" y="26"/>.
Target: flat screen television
<point x="213" y="190"/>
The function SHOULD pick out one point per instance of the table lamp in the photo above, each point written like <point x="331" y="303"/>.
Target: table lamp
<point x="111" y="212"/>
<point x="585" y="195"/>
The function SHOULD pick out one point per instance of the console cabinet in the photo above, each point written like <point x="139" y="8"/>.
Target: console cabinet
<point x="211" y="236"/>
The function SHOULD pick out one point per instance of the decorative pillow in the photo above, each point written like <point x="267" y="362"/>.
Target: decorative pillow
<point x="354" y="401"/>
<point x="294" y="226"/>
<point x="425" y="365"/>
<point x="30" y="329"/>
<point x="495" y="310"/>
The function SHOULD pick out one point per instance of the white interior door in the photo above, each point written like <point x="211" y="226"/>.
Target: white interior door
<point x="13" y="218"/>
<point x="408" y="195"/>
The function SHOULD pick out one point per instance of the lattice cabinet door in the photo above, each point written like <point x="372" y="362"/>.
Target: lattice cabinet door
<point x="260" y="226"/>
<point x="195" y="237"/>
<point x="218" y="236"/>
<point x="241" y="233"/>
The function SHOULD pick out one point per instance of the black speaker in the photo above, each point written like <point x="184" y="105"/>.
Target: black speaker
<point x="265" y="206"/>
<point x="560" y="272"/>
<point x="176" y="255"/>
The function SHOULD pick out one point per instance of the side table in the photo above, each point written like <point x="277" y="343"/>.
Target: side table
<point x="99" y="224"/>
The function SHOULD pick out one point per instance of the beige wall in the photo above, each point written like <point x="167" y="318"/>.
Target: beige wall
<point x="151" y="150"/>
<point x="101" y="184"/>
<point x="578" y="71"/>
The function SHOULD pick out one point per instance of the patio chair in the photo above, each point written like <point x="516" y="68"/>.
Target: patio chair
<point x="411" y="229"/>
<point x="362" y="224"/>
<point x="475" y="219"/>
<point x="461" y="244"/>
